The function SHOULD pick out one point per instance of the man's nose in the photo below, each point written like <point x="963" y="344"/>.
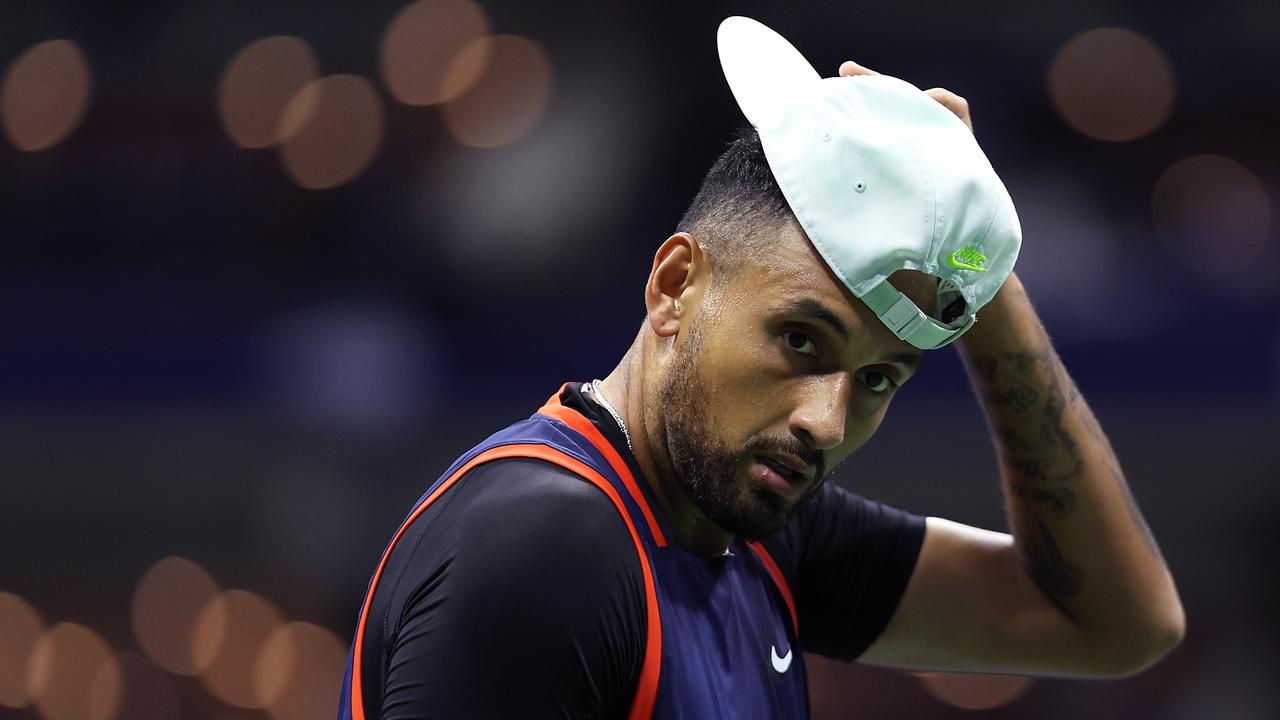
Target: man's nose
<point x="819" y="419"/>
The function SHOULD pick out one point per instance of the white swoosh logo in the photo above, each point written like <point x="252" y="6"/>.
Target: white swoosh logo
<point x="781" y="664"/>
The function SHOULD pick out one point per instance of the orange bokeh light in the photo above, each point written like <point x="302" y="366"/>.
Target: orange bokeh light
<point x="257" y="84"/>
<point x="299" y="671"/>
<point x="974" y="691"/>
<point x="44" y="94"/>
<point x="1212" y="214"/>
<point x="106" y="692"/>
<point x="73" y="675"/>
<point x="507" y="99"/>
<point x="419" y="43"/>
<point x="334" y="127"/>
<point x="20" y="627"/>
<point x="1112" y="84"/>
<point x="231" y="631"/>
<point x="166" y="603"/>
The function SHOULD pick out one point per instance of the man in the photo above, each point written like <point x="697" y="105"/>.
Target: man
<point x="662" y="543"/>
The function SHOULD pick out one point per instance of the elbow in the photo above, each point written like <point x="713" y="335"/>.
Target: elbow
<point x="1159" y="642"/>
<point x="1161" y="633"/>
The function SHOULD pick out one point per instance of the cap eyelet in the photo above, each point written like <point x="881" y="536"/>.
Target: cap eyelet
<point x="860" y="186"/>
<point x="826" y="137"/>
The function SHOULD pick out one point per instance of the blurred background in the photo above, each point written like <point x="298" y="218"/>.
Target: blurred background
<point x="267" y="268"/>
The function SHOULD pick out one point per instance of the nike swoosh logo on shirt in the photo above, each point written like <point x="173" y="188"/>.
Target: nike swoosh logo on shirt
<point x="781" y="664"/>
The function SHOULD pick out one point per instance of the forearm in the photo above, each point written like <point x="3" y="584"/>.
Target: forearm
<point x="1076" y="527"/>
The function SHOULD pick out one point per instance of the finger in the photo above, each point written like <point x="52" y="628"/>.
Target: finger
<point x="850" y="68"/>
<point x="949" y="100"/>
<point x="953" y="102"/>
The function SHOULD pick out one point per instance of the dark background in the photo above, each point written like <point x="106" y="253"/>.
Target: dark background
<point x="199" y="357"/>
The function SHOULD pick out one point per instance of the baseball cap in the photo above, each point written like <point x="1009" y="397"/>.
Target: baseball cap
<point x="882" y="178"/>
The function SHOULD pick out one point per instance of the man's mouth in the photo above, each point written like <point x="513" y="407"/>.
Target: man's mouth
<point x="781" y="477"/>
<point x="779" y="468"/>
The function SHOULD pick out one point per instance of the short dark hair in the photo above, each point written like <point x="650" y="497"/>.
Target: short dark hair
<point x="739" y="209"/>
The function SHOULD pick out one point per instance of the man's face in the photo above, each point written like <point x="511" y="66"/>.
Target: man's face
<point x="781" y="374"/>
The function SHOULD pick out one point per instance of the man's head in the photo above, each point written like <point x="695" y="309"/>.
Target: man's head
<point x="768" y="371"/>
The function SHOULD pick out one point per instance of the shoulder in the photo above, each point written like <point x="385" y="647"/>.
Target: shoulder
<point x="520" y="479"/>
<point x="528" y="500"/>
<point x="527" y="573"/>
<point x="529" y="525"/>
<point x="521" y="542"/>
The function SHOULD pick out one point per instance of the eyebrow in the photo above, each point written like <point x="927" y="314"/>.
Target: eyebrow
<point x="815" y="310"/>
<point x="819" y="312"/>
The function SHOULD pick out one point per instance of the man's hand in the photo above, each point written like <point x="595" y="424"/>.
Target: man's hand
<point x="949" y="100"/>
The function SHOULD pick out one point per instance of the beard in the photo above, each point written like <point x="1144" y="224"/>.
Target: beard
<point x="712" y="474"/>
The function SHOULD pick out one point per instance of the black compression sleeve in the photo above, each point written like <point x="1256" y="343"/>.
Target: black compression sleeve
<point x="521" y="597"/>
<point x="848" y="560"/>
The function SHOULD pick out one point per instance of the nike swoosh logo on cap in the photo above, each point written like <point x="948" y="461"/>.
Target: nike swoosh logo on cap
<point x="781" y="664"/>
<point x="967" y="258"/>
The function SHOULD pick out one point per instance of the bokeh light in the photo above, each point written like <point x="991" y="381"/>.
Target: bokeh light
<point x="299" y="671"/>
<point x="20" y="627"/>
<point x="74" y="675"/>
<point x="333" y="127"/>
<point x="257" y="84"/>
<point x="1212" y="214"/>
<point x="44" y="94"/>
<point x="106" y="692"/>
<point x="496" y="217"/>
<point x="973" y="691"/>
<point x="1112" y="84"/>
<point x="509" y="96"/>
<point x="419" y="43"/>
<point x="231" y="630"/>
<point x="166" y="604"/>
<point x="138" y="690"/>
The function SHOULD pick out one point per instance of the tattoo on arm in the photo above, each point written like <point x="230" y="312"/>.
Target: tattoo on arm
<point x="1030" y="397"/>
<point x="1060" y="500"/>
<point x="1050" y="569"/>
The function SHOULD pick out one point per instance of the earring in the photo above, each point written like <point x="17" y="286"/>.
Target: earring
<point x="677" y="304"/>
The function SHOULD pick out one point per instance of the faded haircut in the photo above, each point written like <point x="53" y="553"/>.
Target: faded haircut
<point x="739" y="211"/>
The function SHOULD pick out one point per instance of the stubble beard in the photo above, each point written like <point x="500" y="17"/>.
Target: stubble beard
<point x="709" y="472"/>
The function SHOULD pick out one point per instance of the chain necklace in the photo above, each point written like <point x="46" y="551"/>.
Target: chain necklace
<point x="594" y="387"/>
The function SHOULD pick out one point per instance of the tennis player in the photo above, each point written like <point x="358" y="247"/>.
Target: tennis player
<point x="662" y="543"/>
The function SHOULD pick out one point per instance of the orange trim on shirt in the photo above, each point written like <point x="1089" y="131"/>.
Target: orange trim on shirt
<point x="576" y="420"/>
<point x="647" y="687"/>
<point x="778" y="580"/>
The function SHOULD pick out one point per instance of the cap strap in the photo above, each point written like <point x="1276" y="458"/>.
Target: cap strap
<point x="907" y="321"/>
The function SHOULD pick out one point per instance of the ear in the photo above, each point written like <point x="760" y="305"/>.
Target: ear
<point x="679" y="276"/>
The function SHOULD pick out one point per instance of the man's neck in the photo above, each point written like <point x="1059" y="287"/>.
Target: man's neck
<point x="626" y="389"/>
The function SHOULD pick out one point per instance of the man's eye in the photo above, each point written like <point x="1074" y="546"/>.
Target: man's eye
<point x="877" y="381"/>
<point x="801" y="343"/>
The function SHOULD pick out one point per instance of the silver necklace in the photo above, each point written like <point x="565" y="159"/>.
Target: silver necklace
<point x="594" y="387"/>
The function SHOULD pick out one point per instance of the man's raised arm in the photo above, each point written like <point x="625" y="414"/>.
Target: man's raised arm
<point x="1080" y="588"/>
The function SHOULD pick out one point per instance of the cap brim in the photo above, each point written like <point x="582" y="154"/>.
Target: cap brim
<point x="762" y="68"/>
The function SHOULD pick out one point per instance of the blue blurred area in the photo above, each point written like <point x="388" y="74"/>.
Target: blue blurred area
<point x="201" y="358"/>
